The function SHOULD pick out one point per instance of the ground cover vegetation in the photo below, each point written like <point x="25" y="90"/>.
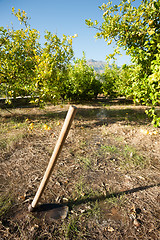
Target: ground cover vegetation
<point x="107" y="172"/>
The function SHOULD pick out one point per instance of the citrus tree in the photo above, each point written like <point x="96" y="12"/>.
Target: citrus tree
<point x="18" y="51"/>
<point x="110" y="79"/>
<point x="83" y="83"/>
<point x="30" y="69"/>
<point x="51" y="71"/>
<point x="136" y="30"/>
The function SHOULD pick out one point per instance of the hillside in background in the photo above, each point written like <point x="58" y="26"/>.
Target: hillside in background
<point x="98" y="66"/>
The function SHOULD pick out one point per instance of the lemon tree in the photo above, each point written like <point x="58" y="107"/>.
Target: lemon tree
<point x="136" y="30"/>
<point x="51" y="78"/>
<point x="30" y="69"/>
<point x="109" y="80"/>
<point x="18" y="51"/>
<point x="83" y="81"/>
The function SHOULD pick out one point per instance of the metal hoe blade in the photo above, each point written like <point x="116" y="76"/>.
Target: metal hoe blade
<point x="51" y="212"/>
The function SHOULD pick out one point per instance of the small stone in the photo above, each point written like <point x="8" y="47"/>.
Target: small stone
<point x="34" y="227"/>
<point x="64" y="200"/>
<point x="137" y="222"/>
<point x="82" y="210"/>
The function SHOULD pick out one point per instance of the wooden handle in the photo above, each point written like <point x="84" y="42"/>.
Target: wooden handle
<point x="65" y="129"/>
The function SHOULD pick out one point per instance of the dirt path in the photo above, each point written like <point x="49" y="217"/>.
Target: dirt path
<point x="107" y="173"/>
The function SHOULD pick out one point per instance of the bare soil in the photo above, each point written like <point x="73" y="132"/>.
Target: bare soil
<point x="107" y="173"/>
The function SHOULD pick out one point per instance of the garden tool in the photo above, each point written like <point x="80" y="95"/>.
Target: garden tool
<point x="55" y="211"/>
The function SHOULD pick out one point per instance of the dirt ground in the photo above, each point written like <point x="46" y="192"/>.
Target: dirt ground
<point x="107" y="173"/>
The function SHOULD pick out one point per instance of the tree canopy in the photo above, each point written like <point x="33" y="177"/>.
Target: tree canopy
<point x="136" y="30"/>
<point x="30" y="69"/>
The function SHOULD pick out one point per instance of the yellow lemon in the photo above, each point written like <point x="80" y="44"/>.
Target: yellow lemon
<point x="45" y="126"/>
<point x="144" y="131"/>
<point x="58" y="123"/>
<point x="150" y="22"/>
<point x="27" y="120"/>
<point x="155" y="133"/>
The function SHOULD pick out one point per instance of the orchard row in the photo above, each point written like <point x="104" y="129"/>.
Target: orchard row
<point x="50" y="72"/>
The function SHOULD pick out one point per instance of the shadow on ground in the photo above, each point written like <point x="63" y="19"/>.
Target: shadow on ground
<point x="107" y="196"/>
<point x="97" y="111"/>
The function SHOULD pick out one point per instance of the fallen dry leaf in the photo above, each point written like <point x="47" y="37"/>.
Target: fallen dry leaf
<point x="110" y="229"/>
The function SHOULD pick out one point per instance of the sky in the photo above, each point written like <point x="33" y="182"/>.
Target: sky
<point x="64" y="17"/>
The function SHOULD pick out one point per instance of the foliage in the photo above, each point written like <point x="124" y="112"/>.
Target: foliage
<point x="109" y="80"/>
<point x="27" y="68"/>
<point x="154" y="85"/>
<point x="82" y="81"/>
<point x="126" y="81"/>
<point x="52" y="68"/>
<point x="18" y="51"/>
<point x="44" y="73"/>
<point x="137" y="30"/>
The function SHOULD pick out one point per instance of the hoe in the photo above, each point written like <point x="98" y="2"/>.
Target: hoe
<point x="53" y="211"/>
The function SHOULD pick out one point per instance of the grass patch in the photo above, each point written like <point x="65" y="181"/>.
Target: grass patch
<point x="11" y="140"/>
<point x="11" y="132"/>
<point x="85" y="162"/>
<point x="109" y="148"/>
<point x="77" y="227"/>
<point x="82" y="189"/>
<point x="132" y="159"/>
<point x="116" y="201"/>
<point x="127" y="156"/>
<point x="6" y="203"/>
<point x="73" y="230"/>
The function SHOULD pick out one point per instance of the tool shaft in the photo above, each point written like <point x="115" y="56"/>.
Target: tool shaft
<point x="58" y="147"/>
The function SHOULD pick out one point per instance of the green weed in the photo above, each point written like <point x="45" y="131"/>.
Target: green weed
<point x="85" y="162"/>
<point x="77" y="227"/>
<point x="5" y="204"/>
<point x="116" y="201"/>
<point x="109" y="148"/>
<point x="73" y="230"/>
<point x="131" y="158"/>
<point x="94" y="210"/>
<point x="79" y="188"/>
<point x="83" y="190"/>
<point x="119" y="138"/>
<point x="11" y="139"/>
